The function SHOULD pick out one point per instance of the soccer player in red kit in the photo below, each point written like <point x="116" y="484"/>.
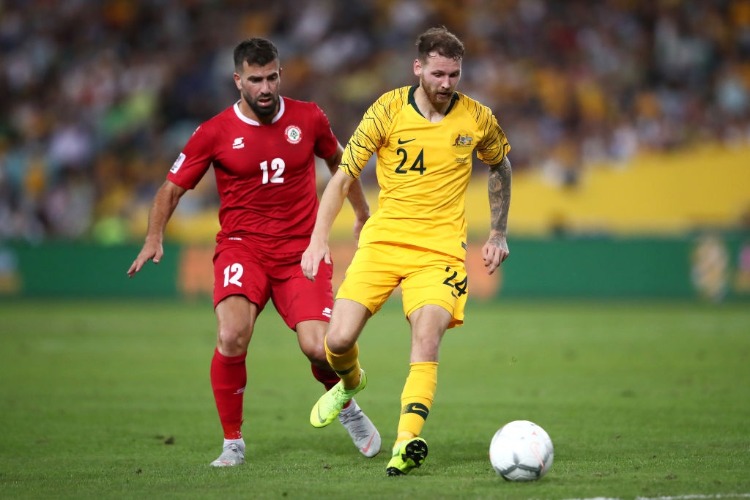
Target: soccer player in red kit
<point x="262" y="149"/>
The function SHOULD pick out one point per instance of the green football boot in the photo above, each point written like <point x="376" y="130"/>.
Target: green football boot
<point x="407" y="456"/>
<point x="330" y="404"/>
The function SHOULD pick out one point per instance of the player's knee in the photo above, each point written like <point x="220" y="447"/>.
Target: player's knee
<point x="232" y="342"/>
<point x="316" y="353"/>
<point x="339" y="343"/>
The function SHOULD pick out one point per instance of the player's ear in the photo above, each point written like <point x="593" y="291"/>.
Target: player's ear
<point x="237" y="81"/>
<point x="417" y="67"/>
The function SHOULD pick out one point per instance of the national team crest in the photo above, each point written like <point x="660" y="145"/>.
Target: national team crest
<point x="463" y="139"/>
<point x="293" y="134"/>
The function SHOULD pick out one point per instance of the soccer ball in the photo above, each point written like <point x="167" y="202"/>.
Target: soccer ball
<point x="521" y="451"/>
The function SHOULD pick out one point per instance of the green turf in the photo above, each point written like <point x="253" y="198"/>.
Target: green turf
<point x="112" y="400"/>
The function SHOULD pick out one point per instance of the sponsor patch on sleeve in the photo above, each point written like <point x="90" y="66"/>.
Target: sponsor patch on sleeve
<point x="177" y="163"/>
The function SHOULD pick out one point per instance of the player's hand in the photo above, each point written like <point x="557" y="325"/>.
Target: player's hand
<point x="315" y="252"/>
<point x="494" y="252"/>
<point x="151" y="251"/>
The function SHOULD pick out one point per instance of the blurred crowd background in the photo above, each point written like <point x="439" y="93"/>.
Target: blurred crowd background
<point x="98" y="97"/>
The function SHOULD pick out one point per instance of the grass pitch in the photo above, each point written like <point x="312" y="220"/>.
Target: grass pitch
<point x="112" y="400"/>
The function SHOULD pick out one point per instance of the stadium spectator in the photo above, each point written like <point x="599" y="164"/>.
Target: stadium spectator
<point x="593" y="82"/>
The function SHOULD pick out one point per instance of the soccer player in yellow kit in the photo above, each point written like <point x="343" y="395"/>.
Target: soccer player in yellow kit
<point x="424" y="137"/>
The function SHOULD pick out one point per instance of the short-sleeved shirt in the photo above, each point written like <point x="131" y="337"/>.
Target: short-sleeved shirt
<point x="423" y="168"/>
<point x="265" y="173"/>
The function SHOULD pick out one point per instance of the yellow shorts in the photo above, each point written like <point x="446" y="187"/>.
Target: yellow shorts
<point x="425" y="277"/>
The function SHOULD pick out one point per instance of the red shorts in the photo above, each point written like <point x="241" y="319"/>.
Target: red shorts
<point x="259" y="275"/>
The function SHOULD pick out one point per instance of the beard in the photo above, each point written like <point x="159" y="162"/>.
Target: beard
<point x="264" y="110"/>
<point x="436" y="95"/>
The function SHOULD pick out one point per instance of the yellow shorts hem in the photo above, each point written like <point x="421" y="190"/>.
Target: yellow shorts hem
<point x="440" y="303"/>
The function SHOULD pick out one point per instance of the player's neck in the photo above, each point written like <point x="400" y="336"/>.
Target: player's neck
<point x="248" y="112"/>
<point x="432" y="112"/>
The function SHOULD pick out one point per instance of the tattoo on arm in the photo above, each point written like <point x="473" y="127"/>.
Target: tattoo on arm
<point x="499" y="192"/>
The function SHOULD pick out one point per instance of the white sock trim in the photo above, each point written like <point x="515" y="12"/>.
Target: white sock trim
<point x="352" y="407"/>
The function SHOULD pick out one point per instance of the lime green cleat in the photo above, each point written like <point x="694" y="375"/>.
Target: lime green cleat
<point x="407" y="456"/>
<point x="330" y="404"/>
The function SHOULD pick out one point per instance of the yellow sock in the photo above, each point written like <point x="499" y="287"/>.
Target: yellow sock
<point x="346" y="365"/>
<point x="416" y="399"/>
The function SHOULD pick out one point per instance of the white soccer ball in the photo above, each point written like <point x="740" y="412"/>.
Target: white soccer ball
<point x="521" y="451"/>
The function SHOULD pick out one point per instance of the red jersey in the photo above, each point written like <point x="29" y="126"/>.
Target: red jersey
<point x="265" y="174"/>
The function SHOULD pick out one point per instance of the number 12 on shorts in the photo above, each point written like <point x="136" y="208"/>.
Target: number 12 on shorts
<point x="232" y="275"/>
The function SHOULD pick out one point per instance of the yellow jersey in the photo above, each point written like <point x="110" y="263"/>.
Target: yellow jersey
<point x="423" y="168"/>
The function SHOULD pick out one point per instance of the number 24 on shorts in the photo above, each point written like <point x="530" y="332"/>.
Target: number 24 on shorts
<point x="451" y="281"/>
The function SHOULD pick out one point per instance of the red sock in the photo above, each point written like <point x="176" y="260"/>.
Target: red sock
<point x="228" y="380"/>
<point x="326" y="377"/>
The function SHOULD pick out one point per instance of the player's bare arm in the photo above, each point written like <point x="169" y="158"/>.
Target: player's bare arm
<point x="356" y="194"/>
<point x="330" y="205"/>
<point x="165" y="202"/>
<point x="495" y="251"/>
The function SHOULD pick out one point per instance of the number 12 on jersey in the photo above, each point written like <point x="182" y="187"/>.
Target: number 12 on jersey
<point x="277" y="171"/>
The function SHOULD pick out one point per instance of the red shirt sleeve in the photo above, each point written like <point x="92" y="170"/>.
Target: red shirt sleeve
<point x="194" y="160"/>
<point x="326" y="142"/>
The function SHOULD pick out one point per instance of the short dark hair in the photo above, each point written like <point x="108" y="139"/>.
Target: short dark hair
<point x="439" y="40"/>
<point x="254" y="51"/>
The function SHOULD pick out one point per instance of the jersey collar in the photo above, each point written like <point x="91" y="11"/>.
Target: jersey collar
<point x="249" y="121"/>
<point x="413" y="102"/>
